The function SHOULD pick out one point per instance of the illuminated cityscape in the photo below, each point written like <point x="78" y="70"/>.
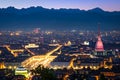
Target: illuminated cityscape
<point x="59" y="42"/>
<point x="64" y="52"/>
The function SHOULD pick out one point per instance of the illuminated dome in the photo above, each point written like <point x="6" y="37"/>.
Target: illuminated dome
<point x="99" y="44"/>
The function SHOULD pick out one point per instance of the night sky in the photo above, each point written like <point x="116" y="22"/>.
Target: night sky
<point x="109" y="5"/>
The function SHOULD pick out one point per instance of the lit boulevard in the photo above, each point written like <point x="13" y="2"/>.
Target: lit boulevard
<point x="35" y="61"/>
<point x="32" y="53"/>
<point x="13" y="51"/>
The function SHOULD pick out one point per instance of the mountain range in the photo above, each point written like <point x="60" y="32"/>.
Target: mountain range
<point x="59" y="19"/>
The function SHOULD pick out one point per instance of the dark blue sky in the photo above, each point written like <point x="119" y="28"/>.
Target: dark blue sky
<point x="109" y="5"/>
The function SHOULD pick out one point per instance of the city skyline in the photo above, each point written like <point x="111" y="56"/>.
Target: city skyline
<point x="81" y="4"/>
<point x="59" y="40"/>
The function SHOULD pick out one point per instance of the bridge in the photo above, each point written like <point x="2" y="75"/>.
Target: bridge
<point x="35" y="61"/>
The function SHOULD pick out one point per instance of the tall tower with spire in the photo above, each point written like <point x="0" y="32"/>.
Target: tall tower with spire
<point x="99" y="47"/>
<point x="99" y="44"/>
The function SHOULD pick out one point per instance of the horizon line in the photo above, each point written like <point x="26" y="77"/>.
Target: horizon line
<point x="59" y="8"/>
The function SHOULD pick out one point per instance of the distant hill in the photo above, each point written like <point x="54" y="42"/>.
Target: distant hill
<point x="12" y="18"/>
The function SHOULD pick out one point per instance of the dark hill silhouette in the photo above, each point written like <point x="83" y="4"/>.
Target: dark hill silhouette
<point x="32" y="17"/>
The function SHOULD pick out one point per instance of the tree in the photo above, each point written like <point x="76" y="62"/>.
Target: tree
<point x="45" y="73"/>
<point x="102" y="77"/>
